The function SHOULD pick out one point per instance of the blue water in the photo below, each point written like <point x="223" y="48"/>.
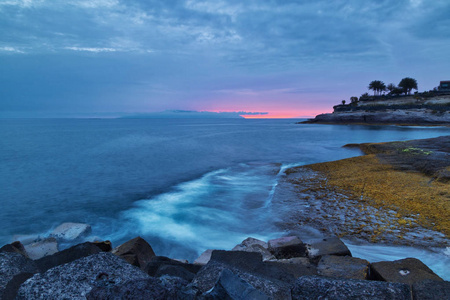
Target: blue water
<point x="185" y="185"/>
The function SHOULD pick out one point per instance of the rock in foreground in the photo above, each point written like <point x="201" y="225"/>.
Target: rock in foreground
<point x="74" y="280"/>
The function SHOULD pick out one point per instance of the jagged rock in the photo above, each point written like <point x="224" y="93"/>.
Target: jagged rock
<point x="207" y="277"/>
<point x="408" y="270"/>
<point x="316" y="287"/>
<point x="150" y="288"/>
<point x="328" y="246"/>
<point x="287" y="247"/>
<point x="16" y="247"/>
<point x="157" y="262"/>
<point x="74" y="280"/>
<point x="136" y="251"/>
<point x="266" y="255"/>
<point x="71" y="231"/>
<point x="105" y="246"/>
<point x="231" y="286"/>
<point x="67" y="255"/>
<point x="431" y="290"/>
<point x="14" y="270"/>
<point x="248" y="242"/>
<point x="204" y="258"/>
<point x="271" y="277"/>
<point x="41" y="248"/>
<point x="251" y="262"/>
<point x="343" y="267"/>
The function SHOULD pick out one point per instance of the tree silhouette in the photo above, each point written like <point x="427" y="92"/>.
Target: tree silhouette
<point x="407" y="84"/>
<point x="377" y="86"/>
<point x="391" y="87"/>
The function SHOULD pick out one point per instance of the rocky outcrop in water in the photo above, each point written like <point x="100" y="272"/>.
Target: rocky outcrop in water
<point x="86" y="271"/>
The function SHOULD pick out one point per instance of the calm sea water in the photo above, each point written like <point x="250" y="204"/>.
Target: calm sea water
<point x="185" y="185"/>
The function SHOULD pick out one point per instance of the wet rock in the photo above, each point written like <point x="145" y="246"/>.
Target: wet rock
<point x="41" y="248"/>
<point x="158" y="262"/>
<point x="315" y="287"/>
<point x="430" y="290"/>
<point x="67" y="255"/>
<point x="16" y="247"/>
<point x="248" y="242"/>
<point x="408" y="270"/>
<point x="14" y="270"/>
<point x="105" y="246"/>
<point x="74" y="280"/>
<point x="266" y="255"/>
<point x="287" y="247"/>
<point x="239" y="259"/>
<point x="343" y="267"/>
<point x="251" y="262"/>
<point x="231" y="286"/>
<point x="204" y="258"/>
<point x="136" y="251"/>
<point x="207" y="277"/>
<point x="71" y="231"/>
<point x="328" y="246"/>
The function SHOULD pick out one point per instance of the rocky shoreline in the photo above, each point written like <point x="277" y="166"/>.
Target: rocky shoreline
<point x="396" y="194"/>
<point x="282" y="268"/>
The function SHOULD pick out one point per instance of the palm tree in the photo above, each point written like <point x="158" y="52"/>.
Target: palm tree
<point x="391" y="87"/>
<point x="407" y="84"/>
<point x="377" y="86"/>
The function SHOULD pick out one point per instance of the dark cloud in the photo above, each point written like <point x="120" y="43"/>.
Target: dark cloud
<point x="117" y="55"/>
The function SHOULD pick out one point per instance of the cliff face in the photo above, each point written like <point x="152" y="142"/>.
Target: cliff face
<point x="397" y="116"/>
<point x="435" y="111"/>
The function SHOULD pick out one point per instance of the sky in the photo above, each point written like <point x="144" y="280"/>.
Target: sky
<point x="283" y="58"/>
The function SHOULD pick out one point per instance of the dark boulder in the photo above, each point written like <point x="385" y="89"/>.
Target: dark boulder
<point x="14" y="270"/>
<point x="105" y="246"/>
<point x="251" y="262"/>
<point x="328" y="246"/>
<point x="316" y="287"/>
<point x="16" y="247"/>
<point x="231" y="286"/>
<point x="408" y="270"/>
<point x="208" y="276"/>
<point x="256" y="247"/>
<point x="343" y="267"/>
<point x="287" y="247"/>
<point x="159" y="261"/>
<point x="68" y="255"/>
<point x="150" y="288"/>
<point x="431" y="289"/>
<point x="136" y="251"/>
<point x="74" y="280"/>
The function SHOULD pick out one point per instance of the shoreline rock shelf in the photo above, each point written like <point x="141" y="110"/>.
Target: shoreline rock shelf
<point x="295" y="270"/>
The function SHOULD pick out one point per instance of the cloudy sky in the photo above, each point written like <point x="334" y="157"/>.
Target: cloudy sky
<point x="287" y="58"/>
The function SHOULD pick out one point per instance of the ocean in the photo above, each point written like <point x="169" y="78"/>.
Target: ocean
<point x="185" y="185"/>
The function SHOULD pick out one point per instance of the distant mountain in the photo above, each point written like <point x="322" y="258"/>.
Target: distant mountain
<point x="191" y="114"/>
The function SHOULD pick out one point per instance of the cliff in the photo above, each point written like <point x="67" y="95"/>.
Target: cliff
<point x="397" y="111"/>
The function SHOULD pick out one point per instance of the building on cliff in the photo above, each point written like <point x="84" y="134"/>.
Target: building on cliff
<point x="444" y="86"/>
